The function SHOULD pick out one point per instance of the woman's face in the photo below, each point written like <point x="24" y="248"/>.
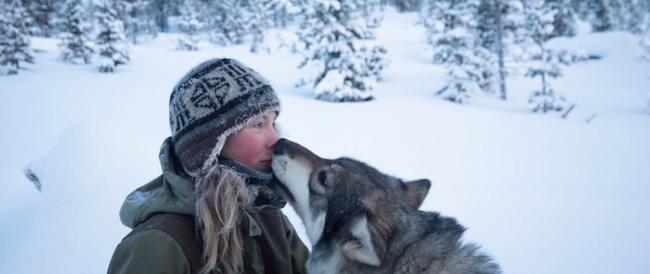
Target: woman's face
<point x="253" y="145"/>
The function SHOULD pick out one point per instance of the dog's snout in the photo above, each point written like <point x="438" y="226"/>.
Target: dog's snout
<point x="280" y="147"/>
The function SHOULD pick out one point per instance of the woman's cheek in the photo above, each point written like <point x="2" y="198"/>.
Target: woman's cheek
<point x="251" y="149"/>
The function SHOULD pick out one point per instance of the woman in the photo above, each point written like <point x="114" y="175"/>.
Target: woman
<point x="212" y="210"/>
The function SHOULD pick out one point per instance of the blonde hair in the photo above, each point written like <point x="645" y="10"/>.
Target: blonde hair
<point x="221" y="198"/>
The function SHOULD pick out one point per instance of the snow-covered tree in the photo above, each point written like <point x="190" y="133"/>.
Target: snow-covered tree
<point x="628" y="15"/>
<point x="44" y="14"/>
<point x="407" y="5"/>
<point x="282" y="12"/>
<point x="498" y="21"/>
<point x="600" y="15"/>
<point x="564" y="21"/>
<point x="137" y="17"/>
<point x="604" y="15"/>
<point x="451" y="31"/>
<point x="76" y="44"/>
<point x="111" y="43"/>
<point x="226" y="25"/>
<point x="234" y="21"/>
<point x="191" y="25"/>
<point x="161" y="10"/>
<point x="15" y="47"/>
<point x="543" y="62"/>
<point x="258" y="18"/>
<point x="336" y="45"/>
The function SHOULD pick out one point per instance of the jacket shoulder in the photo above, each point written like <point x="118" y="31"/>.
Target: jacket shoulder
<point x="150" y="251"/>
<point x="165" y="241"/>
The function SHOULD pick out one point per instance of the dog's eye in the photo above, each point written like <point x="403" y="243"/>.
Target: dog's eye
<point x="322" y="178"/>
<point x="318" y="185"/>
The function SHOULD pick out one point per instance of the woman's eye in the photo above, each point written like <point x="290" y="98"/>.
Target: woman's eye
<point x="257" y="124"/>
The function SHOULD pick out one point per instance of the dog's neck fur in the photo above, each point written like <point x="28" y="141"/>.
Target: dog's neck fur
<point x="405" y="245"/>
<point x="424" y="231"/>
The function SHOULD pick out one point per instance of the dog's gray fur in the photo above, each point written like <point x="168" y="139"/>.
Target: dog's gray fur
<point x="360" y="220"/>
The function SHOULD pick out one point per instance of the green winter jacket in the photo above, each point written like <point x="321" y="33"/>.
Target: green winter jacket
<point x="164" y="239"/>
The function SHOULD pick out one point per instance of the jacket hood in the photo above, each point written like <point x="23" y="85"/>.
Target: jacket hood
<point x="169" y="193"/>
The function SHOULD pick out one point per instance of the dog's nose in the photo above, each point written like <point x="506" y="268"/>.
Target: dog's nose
<point x="280" y="146"/>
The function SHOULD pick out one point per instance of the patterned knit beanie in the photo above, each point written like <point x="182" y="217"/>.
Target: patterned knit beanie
<point x="214" y="100"/>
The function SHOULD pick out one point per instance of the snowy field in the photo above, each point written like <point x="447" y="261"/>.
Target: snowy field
<point x="540" y="193"/>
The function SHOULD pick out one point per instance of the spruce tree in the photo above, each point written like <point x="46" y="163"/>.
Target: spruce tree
<point x="226" y="26"/>
<point x="257" y="19"/>
<point x="161" y="10"/>
<point x="44" y="14"/>
<point x="496" y="28"/>
<point x="282" y="12"/>
<point x="137" y="17"/>
<point x="628" y="15"/>
<point x="190" y="24"/>
<point x="451" y="31"/>
<point x="75" y="39"/>
<point x="336" y="46"/>
<point x="544" y="63"/>
<point x="564" y="21"/>
<point x="407" y="5"/>
<point x="234" y="21"/>
<point x="111" y="43"/>
<point x="600" y="15"/>
<point x="15" y="47"/>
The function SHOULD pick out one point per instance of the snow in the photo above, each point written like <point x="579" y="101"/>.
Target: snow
<point x="540" y="193"/>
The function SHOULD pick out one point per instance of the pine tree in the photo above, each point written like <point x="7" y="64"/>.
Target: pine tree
<point x="233" y="21"/>
<point x="628" y="15"/>
<point x="191" y="26"/>
<point x="336" y="45"/>
<point x="111" y="42"/>
<point x="226" y="26"/>
<point x="14" y="44"/>
<point x="137" y="17"/>
<point x="257" y="19"/>
<point x="282" y="12"/>
<point x="564" y="22"/>
<point x="498" y="21"/>
<point x="581" y="8"/>
<point x="44" y="14"/>
<point x="451" y="31"/>
<point x="407" y="5"/>
<point x="544" y="62"/>
<point x="600" y="15"/>
<point x="161" y="10"/>
<point x="75" y="39"/>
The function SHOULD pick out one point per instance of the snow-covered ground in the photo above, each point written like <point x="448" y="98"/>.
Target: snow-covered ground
<point x="541" y="194"/>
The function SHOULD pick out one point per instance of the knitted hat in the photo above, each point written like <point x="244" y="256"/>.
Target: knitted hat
<point x="214" y="100"/>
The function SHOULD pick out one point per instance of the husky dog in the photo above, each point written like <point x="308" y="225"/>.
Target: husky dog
<point x="360" y="220"/>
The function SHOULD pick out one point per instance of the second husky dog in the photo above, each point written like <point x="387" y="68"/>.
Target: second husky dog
<point x="360" y="220"/>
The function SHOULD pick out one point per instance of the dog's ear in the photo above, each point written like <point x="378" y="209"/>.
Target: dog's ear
<point x="416" y="191"/>
<point x="360" y="247"/>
